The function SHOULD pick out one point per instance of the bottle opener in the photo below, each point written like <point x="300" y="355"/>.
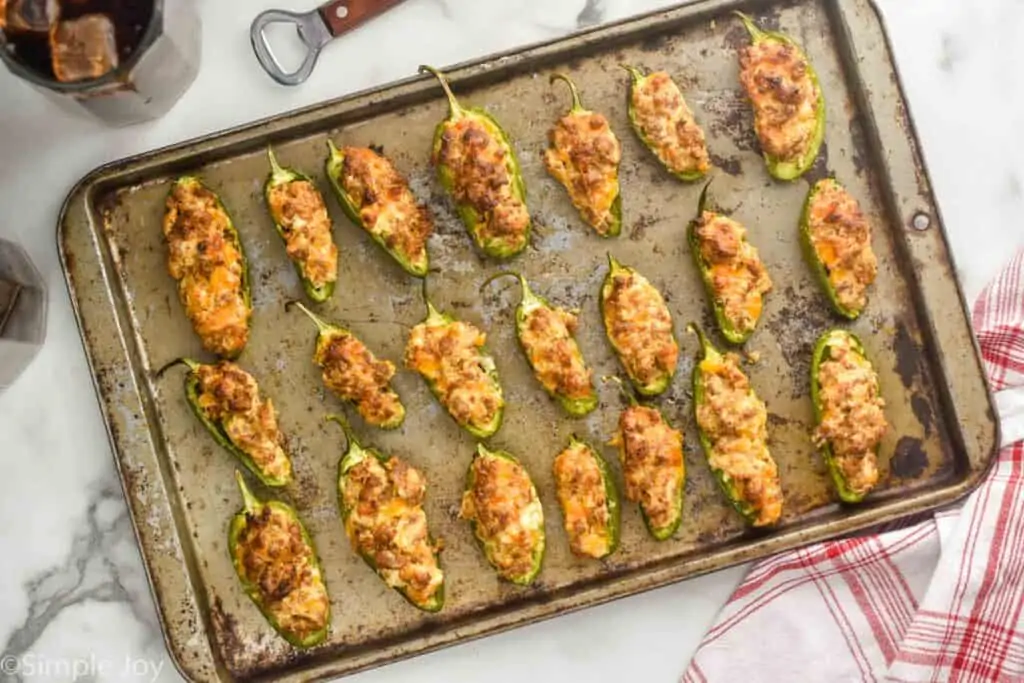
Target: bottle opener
<point x="316" y="28"/>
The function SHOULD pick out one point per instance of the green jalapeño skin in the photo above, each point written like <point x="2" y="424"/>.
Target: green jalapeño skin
<point x="501" y="504"/>
<point x="277" y="564"/>
<point x="545" y="336"/>
<point x="789" y="107"/>
<point x="477" y="166"/>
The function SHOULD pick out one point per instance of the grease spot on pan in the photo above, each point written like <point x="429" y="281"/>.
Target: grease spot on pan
<point x="909" y="459"/>
<point x="907" y="354"/>
<point x="923" y="412"/>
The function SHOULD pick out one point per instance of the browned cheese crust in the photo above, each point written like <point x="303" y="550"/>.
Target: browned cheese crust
<point x="547" y="338"/>
<point x="300" y="211"/>
<point x="275" y="559"/>
<point x="782" y="93"/>
<point x="853" y="418"/>
<point x="507" y="514"/>
<point x="652" y="463"/>
<point x="639" y="322"/>
<point x="735" y="422"/>
<point x="584" y="156"/>
<point x="354" y="373"/>
<point x="481" y="178"/>
<point x="208" y="268"/>
<point x="448" y="357"/>
<point x="230" y="396"/>
<point x="384" y="201"/>
<point x="387" y="524"/>
<point x="738" y="277"/>
<point x="841" y="237"/>
<point x="661" y="112"/>
<point x="584" y="501"/>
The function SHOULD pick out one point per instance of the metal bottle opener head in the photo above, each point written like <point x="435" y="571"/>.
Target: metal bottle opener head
<point x="315" y="29"/>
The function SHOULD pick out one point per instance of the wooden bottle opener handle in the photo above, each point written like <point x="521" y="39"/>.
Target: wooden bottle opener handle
<point x="344" y="15"/>
<point x="315" y="28"/>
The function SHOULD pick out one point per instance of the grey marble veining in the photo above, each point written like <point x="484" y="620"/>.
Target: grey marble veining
<point x="74" y="590"/>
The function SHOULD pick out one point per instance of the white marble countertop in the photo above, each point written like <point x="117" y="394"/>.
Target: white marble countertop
<point x="74" y="592"/>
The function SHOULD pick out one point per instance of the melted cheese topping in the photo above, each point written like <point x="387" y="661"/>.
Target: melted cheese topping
<point x="668" y="125"/>
<point x="385" y="203"/>
<point x="507" y="513"/>
<point x="735" y="421"/>
<point x="229" y="396"/>
<point x="554" y="354"/>
<point x="483" y="178"/>
<point x="584" y="501"/>
<point x="208" y="267"/>
<point x="738" y="277"/>
<point x="448" y="357"/>
<point x="351" y="371"/>
<point x="299" y="209"/>
<point x="584" y="156"/>
<point x="778" y="82"/>
<point x="841" y="238"/>
<point x="640" y="326"/>
<point x="652" y="463"/>
<point x="275" y="559"/>
<point x="853" y="420"/>
<point x="386" y="523"/>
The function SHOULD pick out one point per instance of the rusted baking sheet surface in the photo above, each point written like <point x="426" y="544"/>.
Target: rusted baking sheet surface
<point x="179" y="484"/>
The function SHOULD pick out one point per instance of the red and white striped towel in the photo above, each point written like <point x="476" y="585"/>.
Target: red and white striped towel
<point x="940" y="600"/>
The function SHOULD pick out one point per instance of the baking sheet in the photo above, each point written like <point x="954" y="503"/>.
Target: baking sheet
<point x="179" y="483"/>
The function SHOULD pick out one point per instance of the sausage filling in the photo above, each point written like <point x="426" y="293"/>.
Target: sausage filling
<point x="229" y="396"/>
<point x="735" y="420"/>
<point x="208" y="267"/>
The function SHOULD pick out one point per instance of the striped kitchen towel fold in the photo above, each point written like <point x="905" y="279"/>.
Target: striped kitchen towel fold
<point x="937" y="600"/>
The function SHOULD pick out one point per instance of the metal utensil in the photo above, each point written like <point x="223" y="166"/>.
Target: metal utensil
<point x="316" y="28"/>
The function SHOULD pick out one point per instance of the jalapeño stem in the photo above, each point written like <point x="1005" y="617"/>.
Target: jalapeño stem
<point x="250" y="501"/>
<point x="702" y="202"/>
<point x="756" y="34"/>
<point x="350" y="436"/>
<point x="277" y="173"/>
<point x="321" y="325"/>
<point x="455" y="109"/>
<point x="636" y="74"/>
<point x="577" y="105"/>
<point x="705" y="345"/>
<point x="529" y="298"/>
<point x="623" y="389"/>
<point x="192" y="365"/>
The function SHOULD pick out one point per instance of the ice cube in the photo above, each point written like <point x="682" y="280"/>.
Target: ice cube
<point x="29" y="16"/>
<point x="83" y="48"/>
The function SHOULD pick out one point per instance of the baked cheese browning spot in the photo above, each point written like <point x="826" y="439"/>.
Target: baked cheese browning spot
<point x="581" y="493"/>
<point x="387" y="523"/>
<point x="639" y="324"/>
<point x="853" y="420"/>
<point x="737" y="275"/>
<point x="354" y="373"/>
<point x="447" y="357"/>
<point x="735" y="420"/>
<point x="300" y="211"/>
<point x="784" y="97"/>
<point x="208" y="267"/>
<point x="554" y="354"/>
<point x="230" y="396"/>
<point x="841" y="238"/>
<point x="652" y="464"/>
<point x="668" y="126"/>
<point x="507" y="513"/>
<point x="385" y="203"/>
<point x="482" y="177"/>
<point x="584" y="155"/>
<point x="274" y="557"/>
